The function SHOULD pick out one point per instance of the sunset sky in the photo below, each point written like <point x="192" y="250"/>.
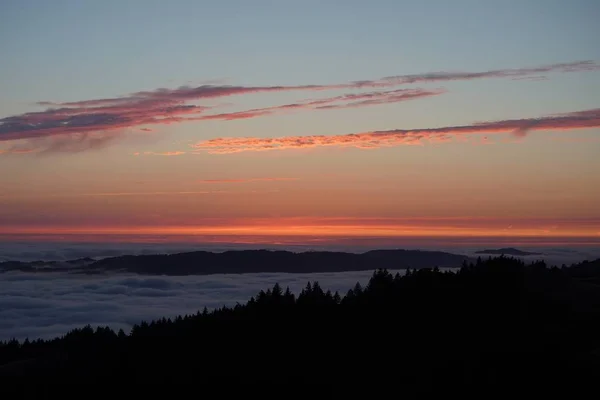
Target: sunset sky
<point x="321" y="118"/>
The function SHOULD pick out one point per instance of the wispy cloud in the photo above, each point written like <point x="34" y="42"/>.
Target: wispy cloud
<point x="16" y="150"/>
<point x="66" y="143"/>
<point x="354" y="100"/>
<point x="164" y="153"/>
<point x="576" y="139"/>
<point x="89" y="124"/>
<point x="499" y="73"/>
<point x="242" y="180"/>
<point x="151" y="193"/>
<point x="397" y="137"/>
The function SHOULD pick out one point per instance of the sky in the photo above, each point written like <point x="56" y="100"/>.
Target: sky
<point x="277" y="119"/>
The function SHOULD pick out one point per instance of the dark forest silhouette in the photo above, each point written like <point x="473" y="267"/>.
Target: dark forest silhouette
<point x="495" y="324"/>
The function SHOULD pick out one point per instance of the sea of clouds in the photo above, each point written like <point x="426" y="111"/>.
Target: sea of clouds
<point x="63" y="251"/>
<point x="46" y="305"/>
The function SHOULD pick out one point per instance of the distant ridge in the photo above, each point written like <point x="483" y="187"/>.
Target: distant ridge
<point x="509" y="251"/>
<point x="246" y="261"/>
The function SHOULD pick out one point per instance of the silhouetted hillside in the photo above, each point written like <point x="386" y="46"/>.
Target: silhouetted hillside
<point x="495" y="325"/>
<point x="249" y="261"/>
<point x="585" y="269"/>
<point x="508" y="251"/>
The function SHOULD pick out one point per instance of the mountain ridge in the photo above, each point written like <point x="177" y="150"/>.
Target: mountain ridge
<point x="247" y="261"/>
<point x="510" y="251"/>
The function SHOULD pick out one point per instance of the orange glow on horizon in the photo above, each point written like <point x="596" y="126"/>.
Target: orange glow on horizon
<point x="343" y="229"/>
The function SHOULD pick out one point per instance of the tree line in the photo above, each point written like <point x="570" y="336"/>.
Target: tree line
<point x="494" y="323"/>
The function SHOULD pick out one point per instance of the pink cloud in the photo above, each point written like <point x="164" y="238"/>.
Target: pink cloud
<point x="111" y="194"/>
<point x="70" y="143"/>
<point x="396" y="137"/>
<point x="17" y="151"/>
<point x="576" y="139"/>
<point x="164" y="153"/>
<point x="344" y="101"/>
<point x="82" y="122"/>
<point x="242" y="180"/>
<point x="577" y="66"/>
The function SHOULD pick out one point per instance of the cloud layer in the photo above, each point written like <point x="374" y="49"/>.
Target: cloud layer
<point x="89" y="124"/>
<point x="396" y="137"/>
<point x="22" y="248"/>
<point x="47" y="305"/>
